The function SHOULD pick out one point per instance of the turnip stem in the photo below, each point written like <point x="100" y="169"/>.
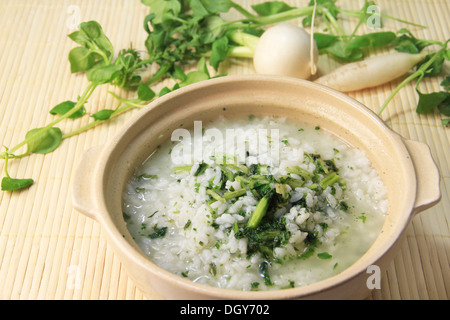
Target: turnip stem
<point x="240" y="52"/>
<point x="244" y="39"/>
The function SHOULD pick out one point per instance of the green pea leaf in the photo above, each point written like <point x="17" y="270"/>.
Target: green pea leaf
<point x="271" y="7"/>
<point x="217" y="6"/>
<point x="446" y="83"/>
<point x="178" y="74"/>
<point x="81" y="59"/>
<point x="198" y="9"/>
<point x="340" y="50"/>
<point x="219" y="52"/>
<point x="444" y="106"/>
<point x="164" y="91"/>
<point x="406" y="42"/>
<point x="162" y="9"/>
<point x="94" y="32"/>
<point x="79" y="37"/>
<point x="193" y="77"/>
<point x="11" y="184"/>
<point x="65" y="107"/>
<point x="44" y="143"/>
<point x="103" y="74"/>
<point x="202" y="66"/>
<point x="373" y="39"/>
<point x="103" y="115"/>
<point x="91" y="29"/>
<point x="145" y="93"/>
<point x="428" y="102"/>
<point x="324" y="40"/>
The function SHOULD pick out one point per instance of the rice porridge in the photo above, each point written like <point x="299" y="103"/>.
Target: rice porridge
<point x="255" y="204"/>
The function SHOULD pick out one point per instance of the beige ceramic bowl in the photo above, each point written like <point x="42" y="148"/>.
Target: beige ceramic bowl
<point x="405" y="166"/>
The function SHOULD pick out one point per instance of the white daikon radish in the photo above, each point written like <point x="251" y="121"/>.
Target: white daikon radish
<point x="370" y="72"/>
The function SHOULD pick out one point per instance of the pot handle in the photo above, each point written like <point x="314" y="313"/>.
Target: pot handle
<point x="83" y="198"/>
<point x="427" y="173"/>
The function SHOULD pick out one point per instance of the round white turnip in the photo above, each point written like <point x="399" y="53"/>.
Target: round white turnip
<point x="285" y="49"/>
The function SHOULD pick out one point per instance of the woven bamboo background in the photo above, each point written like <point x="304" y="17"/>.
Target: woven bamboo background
<point x="50" y="251"/>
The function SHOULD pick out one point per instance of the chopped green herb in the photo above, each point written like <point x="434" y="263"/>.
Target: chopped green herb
<point x="213" y="269"/>
<point x="324" y="255"/>
<point x="158" y="232"/>
<point x="264" y="271"/>
<point x="362" y="217"/>
<point x="201" y="169"/>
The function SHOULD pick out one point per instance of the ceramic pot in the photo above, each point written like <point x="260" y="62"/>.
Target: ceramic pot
<point x="406" y="168"/>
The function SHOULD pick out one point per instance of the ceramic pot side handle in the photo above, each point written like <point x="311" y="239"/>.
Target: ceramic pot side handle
<point x="427" y="173"/>
<point x="83" y="198"/>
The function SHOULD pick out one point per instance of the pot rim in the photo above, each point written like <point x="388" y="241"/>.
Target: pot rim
<point x="356" y="269"/>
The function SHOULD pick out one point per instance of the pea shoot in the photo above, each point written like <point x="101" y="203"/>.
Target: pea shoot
<point x="183" y="32"/>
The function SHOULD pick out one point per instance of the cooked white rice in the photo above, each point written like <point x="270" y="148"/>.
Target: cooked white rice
<point x="176" y="223"/>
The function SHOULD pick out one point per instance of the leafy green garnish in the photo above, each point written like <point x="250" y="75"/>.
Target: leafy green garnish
<point x="158" y="232"/>
<point x="264" y="270"/>
<point x="46" y="142"/>
<point x="324" y="255"/>
<point x="180" y="32"/>
<point x="11" y="184"/>
<point x="65" y="107"/>
<point x="271" y="7"/>
<point x="95" y="57"/>
<point x="430" y="66"/>
<point x="436" y="101"/>
<point x="408" y="43"/>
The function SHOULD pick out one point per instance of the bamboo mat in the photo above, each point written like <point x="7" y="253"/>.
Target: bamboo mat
<point x="50" y="251"/>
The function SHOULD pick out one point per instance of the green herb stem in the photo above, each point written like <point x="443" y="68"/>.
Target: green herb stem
<point x="402" y="21"/>
<point x="215" y="195"/>
<point x="419" y="73"/>
<point x="94" y="123"/>
<point x="162" y="72"/>
<point x="80" y="103"/>
<point x="329" y="180"/>
<point x="241" y="10"/>
<point x="234" y="194"/>
<point x="332" y="20"/>
<point x="258" y="21"/>
<point x="362" y="14"/>
<point x="130" y="102"/>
